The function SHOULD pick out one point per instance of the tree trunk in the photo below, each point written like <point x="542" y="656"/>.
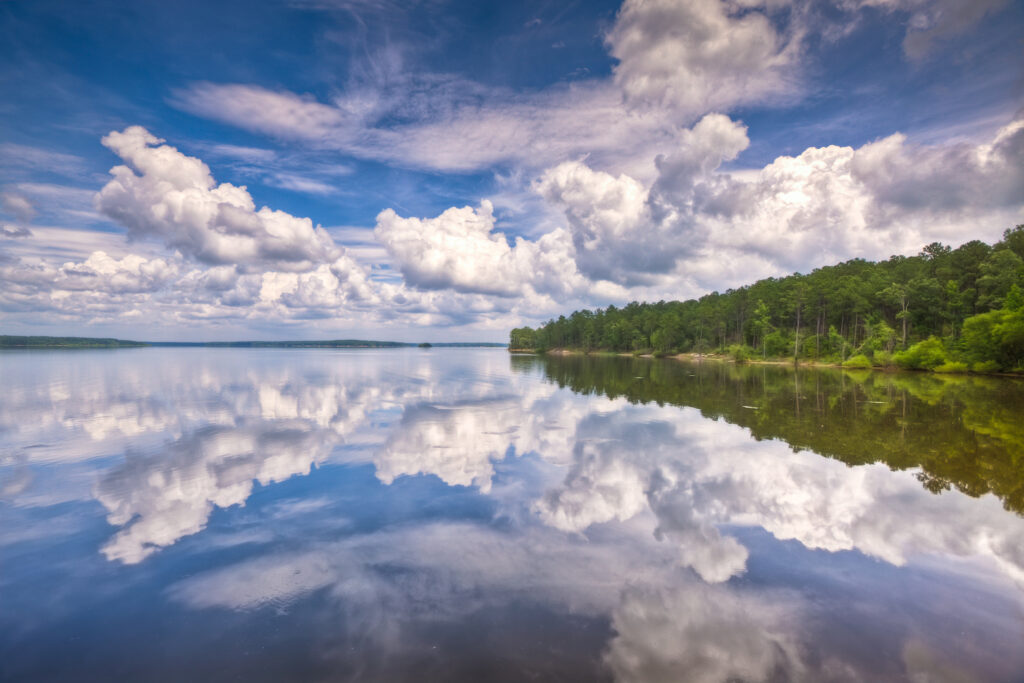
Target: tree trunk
<point x="796" y="344"/>
<point x="905" y="316"/>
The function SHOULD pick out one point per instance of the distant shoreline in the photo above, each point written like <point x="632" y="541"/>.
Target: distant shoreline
<point x="58" y="343"/>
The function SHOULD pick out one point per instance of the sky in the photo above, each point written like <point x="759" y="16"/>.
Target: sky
<point x="445" y="170"/>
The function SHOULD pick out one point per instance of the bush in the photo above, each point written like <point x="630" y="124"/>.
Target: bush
<point x="952" y="366"/>
<point x="858" y="362"/>
<point x="739" y="353"/>
<point x="985" y="366"/>
<point x="924" y="355"/>
<point x="882" y="359"/>
<point x="776" y="344"/>
<point x="996" y="336"/>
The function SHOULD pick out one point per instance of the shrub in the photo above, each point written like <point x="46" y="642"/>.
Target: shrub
<point x="739" y="353"/>
<point x="985" y="366"/>
<point x="776" y="344"/>
<point x="952" y="366"/>
<point x="882" y="359"/>
<point x="923" y="355"/>
<point x="858" y="362"/>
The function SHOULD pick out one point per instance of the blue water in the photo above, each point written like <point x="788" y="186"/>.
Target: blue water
<point x="446" y="514"/>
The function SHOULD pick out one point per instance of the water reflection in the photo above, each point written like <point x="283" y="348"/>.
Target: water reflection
<point x="453" y="515"/>
<point x="160" y="497"/>
<point x="963" y="432"/>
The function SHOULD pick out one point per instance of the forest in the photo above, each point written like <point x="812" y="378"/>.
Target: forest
<point x="948" y="310"/>
<point x="19" y="342"/>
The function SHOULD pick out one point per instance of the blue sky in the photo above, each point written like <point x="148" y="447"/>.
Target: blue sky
<point x="447" y="170"/>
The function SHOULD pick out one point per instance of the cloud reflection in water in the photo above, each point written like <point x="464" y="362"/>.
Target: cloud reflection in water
<point x="637" y="517"/>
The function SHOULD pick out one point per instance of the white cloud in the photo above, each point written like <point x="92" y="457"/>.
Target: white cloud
<point x="37" y="158"/>
<point x="174" y="198"/>
<point x="700" y="56"/>
<point x="460" y="250"/>
<point x="159" y="500"/>
<point x="703" y="634"/>
<point x="691" y="228"/>
<point x="460" y="441"/>
<point x="825" y="205"/>
<point x="17" y="205"/>
<point x="659" y="481"/>
<point x="10" y="230"/>
<point x="232" y="261"/>
<point x="696" y="475"/>
<point x="472" y="128"/>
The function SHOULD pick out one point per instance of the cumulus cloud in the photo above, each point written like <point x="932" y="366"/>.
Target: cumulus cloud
<point x="172" y="197"/>
<point x="103" y="273"/>
<point x="231" y="261"/>
<point x="835" y="203"/>
<point x="460" y="250"/>
<point x="700" y="56"/>
<point x="692" y="227"/>
<point x="825" y="205"/>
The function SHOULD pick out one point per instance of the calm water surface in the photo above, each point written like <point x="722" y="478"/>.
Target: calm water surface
<point x="451" y="514"/>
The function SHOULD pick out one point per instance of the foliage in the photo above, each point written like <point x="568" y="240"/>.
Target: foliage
<point x="882" y="359"/>
<point x="739" y="353"/>
<point x="879" y="310"/>
<point x="924" y="355"/>
<point x="951" y="366"/>
<point x="860" y="361"/>
<point x="14" y="342"/>
<point x="996" y="337"/>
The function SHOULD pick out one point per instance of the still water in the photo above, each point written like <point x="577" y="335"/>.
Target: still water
<point x="454" y="514"/>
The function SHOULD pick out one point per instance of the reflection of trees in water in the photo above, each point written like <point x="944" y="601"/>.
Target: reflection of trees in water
<point x="963" y="432"/>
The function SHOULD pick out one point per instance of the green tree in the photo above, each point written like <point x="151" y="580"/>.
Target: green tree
<point x="1000" y="271"/>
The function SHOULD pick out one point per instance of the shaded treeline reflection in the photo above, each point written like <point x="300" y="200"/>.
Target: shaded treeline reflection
<point x="963" y="432"/>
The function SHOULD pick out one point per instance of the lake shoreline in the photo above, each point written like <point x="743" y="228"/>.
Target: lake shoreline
<point x="691" y="357"/>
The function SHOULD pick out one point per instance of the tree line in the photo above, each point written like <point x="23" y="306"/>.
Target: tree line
<point x="944" y="309"/>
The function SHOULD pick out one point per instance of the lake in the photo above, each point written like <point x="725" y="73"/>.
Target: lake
<point x="470" y="515"/>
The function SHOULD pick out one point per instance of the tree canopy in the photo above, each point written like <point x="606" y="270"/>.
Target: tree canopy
<point x="964" y="305"/>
